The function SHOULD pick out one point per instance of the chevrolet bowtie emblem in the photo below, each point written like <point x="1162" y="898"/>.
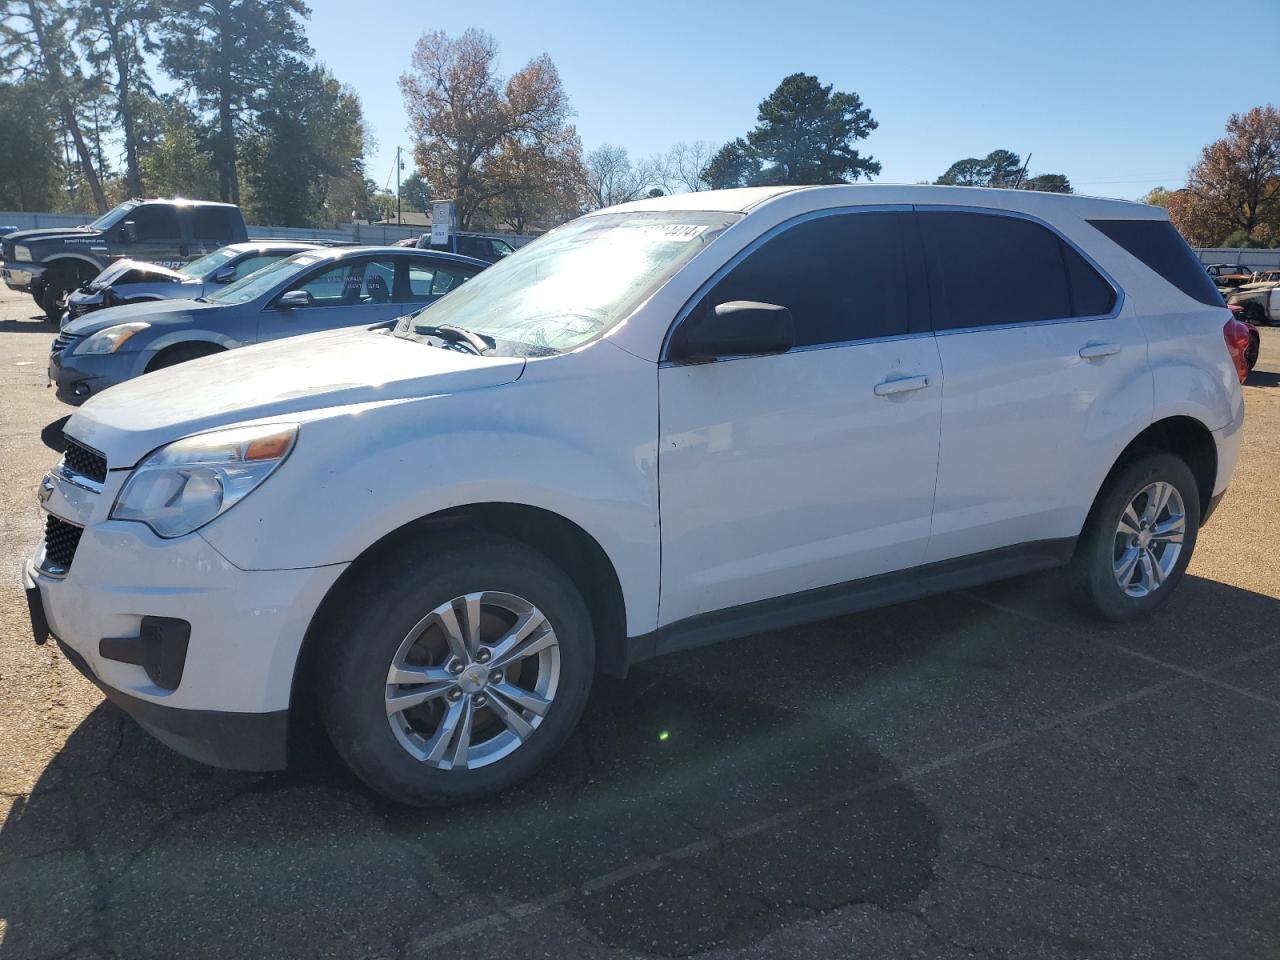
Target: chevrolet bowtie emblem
<point x="45" y="490"/>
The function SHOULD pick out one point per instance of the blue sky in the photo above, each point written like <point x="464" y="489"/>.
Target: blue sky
<point x="1120" y="96"/>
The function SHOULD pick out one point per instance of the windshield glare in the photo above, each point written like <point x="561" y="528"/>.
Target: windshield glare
<point x="210" y="262"/>
<point x="577" y="281"/>
<point x="261" y="281"/>
<point x="112" y="217"/>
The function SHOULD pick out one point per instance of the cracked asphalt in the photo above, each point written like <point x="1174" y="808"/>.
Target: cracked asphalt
<point x="982" y="774"/>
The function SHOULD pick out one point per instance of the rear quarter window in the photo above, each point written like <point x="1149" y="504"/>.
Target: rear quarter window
<point x="1158" y="245"/>
<point x="992" y="269"/>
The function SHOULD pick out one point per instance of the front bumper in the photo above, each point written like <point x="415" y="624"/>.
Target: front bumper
<point x="230" y="706"/>
<point x="22" y="276"/>
<point x="79" y="378"/>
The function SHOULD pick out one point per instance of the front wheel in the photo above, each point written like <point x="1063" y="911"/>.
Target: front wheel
<point x="455" y="670"/>
<point x="1138" y="538"/>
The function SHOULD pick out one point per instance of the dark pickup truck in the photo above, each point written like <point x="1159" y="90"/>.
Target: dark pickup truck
<point x="49" y="263"/>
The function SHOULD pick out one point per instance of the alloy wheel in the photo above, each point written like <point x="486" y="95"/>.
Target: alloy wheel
<point x="1149" y="539"/>
<point x="472" y="680"/>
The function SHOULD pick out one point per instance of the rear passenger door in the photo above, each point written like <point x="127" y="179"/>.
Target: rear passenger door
<point x="784" y="473"/>
<point x="1044" y="372"/>
<point x="426" y="281"/>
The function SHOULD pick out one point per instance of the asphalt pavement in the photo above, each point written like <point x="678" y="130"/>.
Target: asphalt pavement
<point x="983" y="774"/>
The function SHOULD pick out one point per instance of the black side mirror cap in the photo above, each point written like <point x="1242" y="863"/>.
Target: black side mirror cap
<point x="738" y="328"/>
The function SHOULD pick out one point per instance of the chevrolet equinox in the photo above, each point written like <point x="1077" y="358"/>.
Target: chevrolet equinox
<point x="664" y="424"/>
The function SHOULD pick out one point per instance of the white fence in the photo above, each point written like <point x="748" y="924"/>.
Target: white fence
<point x="377" y="234"/>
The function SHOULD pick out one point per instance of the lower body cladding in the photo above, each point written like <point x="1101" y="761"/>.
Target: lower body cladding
<point x="202" y="657"/>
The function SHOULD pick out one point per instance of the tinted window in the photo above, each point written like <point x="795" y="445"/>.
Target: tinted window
<point x="991" y="269"/>
<point x="1157" y="244"/>
<point x="212" y="223"/>
<point x="339" y="285"/>
<point x="843" y="277"/>
<point x="156" y="222"/>
<point x="429" y="280"/>
<point x="250" y="264"/>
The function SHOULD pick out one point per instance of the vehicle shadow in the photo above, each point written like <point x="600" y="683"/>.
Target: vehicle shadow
<point x="707" y="800"/>
<point x="1262" y="378"/>
<point x="36" y="324"/>
<point x="53" y="437"/>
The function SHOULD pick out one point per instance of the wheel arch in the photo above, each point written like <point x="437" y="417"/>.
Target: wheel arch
<point x="208" y="346"/>
<point x="1185" y="437"/>
<point x="81" y="264"/>
<point x="563" y="541"/>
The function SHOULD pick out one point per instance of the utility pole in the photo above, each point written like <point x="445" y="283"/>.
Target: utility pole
<point x="1022" y="173"/>
<point x="398" y="169"/>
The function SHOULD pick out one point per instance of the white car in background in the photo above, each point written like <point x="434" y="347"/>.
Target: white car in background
<point x="664" y="424"/>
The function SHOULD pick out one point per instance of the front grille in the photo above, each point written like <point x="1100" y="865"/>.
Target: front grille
<point x="60" y="541"/>
<point x="63" y="341"/>
<point x="88" y="463"/>
<point x="79" y="309"/>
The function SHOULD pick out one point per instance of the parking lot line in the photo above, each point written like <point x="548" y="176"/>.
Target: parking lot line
<point x="525" y="909"/>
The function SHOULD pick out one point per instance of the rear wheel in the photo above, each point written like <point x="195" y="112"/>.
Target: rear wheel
<point x="1139" y="537"/>
<point x="456" y="670"/>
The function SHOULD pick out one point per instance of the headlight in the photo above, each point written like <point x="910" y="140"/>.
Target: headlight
<point x="21" y="253"/>
<point x="184" y="485"/>
<point x="111" y="339"/>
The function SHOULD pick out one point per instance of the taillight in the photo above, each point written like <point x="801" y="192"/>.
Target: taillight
<point x="1236" y="334"/>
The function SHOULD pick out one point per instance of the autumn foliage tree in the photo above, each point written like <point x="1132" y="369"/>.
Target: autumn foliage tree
<point x="476" y="132"/>
<point x="1234" y="188"/>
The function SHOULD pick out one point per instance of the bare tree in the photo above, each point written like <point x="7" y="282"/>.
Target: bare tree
<point x="609" y="178"/>
<point x="683" y="168"/>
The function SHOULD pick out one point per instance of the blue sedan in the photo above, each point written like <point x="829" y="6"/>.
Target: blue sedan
<point x="306" y="293"/>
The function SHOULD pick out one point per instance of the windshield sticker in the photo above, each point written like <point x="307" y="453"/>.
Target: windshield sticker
<point x="671" y="232"/>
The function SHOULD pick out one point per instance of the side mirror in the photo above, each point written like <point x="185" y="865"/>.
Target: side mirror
<point x="295" y="298"/>
<point x="224" y="275"/>
<point x="130" y="231"/>
<point x="734" y="329"/>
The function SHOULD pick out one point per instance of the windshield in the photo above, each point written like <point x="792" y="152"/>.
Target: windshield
<point x="264" y="280"/>
<point x="577" y="281"/>
<point x="112" y="217"/>
<point x="199" y="269"/>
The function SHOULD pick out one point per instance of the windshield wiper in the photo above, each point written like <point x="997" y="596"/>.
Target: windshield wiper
<point x="478" y="342"/>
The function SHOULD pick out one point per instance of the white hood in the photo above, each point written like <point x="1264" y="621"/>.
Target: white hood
<point x="330" y="369"/>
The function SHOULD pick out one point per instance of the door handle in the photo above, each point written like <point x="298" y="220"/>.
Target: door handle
<point x="892" y="388"/>
<point x="1099" y="351"/>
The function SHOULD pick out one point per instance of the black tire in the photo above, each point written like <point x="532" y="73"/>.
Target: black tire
<point x="172" y="356"/>
<point x="382" y="605"/>
<point x="58" y="282"/>
<point x="1097" y="584"/>
<point x="1251" y="351"/>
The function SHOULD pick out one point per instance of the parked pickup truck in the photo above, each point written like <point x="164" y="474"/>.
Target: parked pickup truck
<point x="50" y="263"/>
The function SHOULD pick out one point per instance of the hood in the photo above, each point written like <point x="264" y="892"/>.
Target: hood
<point x="48" y="233"/>
<point x="276" y="380"/>
<point x="153" y="311"/>
<point x="141" y="270"/>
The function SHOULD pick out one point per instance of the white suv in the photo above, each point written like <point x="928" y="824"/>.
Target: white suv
<point x="662" y="425"/>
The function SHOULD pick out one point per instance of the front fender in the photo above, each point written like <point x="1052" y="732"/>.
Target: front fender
<point x="576" y="436"/>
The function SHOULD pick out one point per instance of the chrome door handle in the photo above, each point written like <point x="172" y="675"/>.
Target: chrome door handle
<point x="891" y="388"/>
<point x="1099" y="351"/>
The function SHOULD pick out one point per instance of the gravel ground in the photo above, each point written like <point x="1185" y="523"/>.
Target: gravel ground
<point x="982" y="774"/>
